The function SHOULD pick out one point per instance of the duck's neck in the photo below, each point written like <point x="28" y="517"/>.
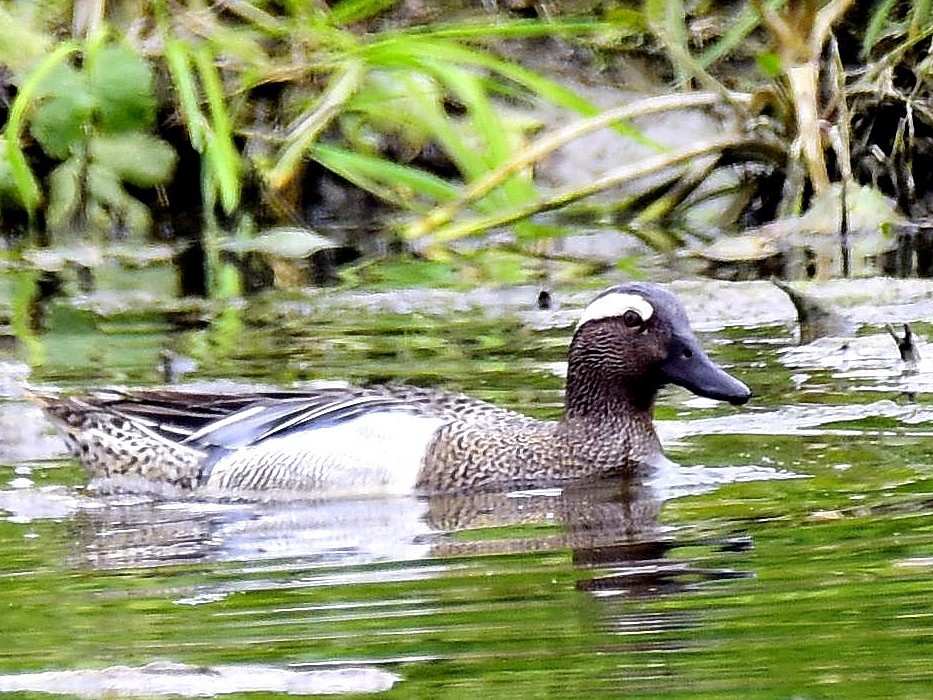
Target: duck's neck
<point x="609" y="423"/>
<point x="596" y="396"/>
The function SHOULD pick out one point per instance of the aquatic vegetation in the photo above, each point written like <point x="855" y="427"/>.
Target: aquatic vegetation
<point x="268" y="98"/>
<point x="245" y="115"/>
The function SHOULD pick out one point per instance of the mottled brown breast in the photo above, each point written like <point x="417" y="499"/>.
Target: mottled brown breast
<point x="523" y="452"/>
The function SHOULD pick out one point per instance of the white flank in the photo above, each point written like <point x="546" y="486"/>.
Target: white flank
<point x="616" y="304"/>
<point x="375" y="453"/>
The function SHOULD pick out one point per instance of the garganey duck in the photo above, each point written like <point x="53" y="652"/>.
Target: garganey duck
<point x="631" y="340"/>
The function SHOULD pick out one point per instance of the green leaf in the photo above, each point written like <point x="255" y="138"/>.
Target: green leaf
<point x="770" y="64"/>
<point x="140" y="159"/>
<point x="22" y="43"/>
<point x="408" y="51"/>
<point x="103" y="184"/>
<point x="137" y="219"/>
<point x="625" y="20"/>
<point x="64" y="194"/>
<point x="386" y="104"/>
<point x="448" y="132"/>
<point x="61" y="120"/>
<point x="108" y="201"/>
<point x="122" y="81"/>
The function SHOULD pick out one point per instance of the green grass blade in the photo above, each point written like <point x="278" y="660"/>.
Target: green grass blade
<point x="624" y="174"/>
<point x="179" y="62"/>
<point x="448" y="133"/>
<point x="919" y="18"/>
<point x="186" y="89"/>
<point x="668" y="20"/>
<point x="401" y="185"/>
<point x="350" y="11"/>
<point x="400" y="50"/>
<point x="880" y="17"/>
<point x="481" y="30"/>
<point x="486" y="122"/>
<point x="222" y="154"/>
<point x="27" y="187"/>
<point x="257" y="18"/>
<point x="546" y="144"/>
<point x="735" y="35"/>
<point x="304" y="133"/>
<point x="487" y="126"/>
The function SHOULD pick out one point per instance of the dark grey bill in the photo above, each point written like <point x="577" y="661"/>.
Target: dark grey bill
<point x="690" y="367"/>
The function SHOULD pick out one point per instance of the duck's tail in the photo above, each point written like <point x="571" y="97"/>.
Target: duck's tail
<point x="112" y="444"/>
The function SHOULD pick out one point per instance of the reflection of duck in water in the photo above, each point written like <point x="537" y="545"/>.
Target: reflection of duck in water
<point x="345" y="532"/>
<point x="608" y="532"/>
<point x="631" y="340"/>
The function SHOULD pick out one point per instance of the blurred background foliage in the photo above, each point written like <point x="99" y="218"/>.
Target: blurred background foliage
<point x="201" y="122"/>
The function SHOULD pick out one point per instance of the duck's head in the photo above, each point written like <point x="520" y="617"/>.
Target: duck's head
<point x="633" y="339"/>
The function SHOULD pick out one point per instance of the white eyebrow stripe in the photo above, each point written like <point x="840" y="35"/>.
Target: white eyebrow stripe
<point x="616" y="304"/>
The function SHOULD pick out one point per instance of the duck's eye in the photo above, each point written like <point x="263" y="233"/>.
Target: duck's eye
<point x="632" y="319"/>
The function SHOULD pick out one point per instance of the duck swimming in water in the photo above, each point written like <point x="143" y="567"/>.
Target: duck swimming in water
<point x="631" y="340"/>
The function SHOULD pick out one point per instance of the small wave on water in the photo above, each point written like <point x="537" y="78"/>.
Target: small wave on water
<point x="696" y="479"/>
<point x="174" y="679"/>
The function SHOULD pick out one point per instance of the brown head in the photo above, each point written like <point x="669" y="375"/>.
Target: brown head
<point x="631" y="340"/>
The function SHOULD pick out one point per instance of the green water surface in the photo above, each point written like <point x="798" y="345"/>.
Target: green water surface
<point x="817" y="587"/>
